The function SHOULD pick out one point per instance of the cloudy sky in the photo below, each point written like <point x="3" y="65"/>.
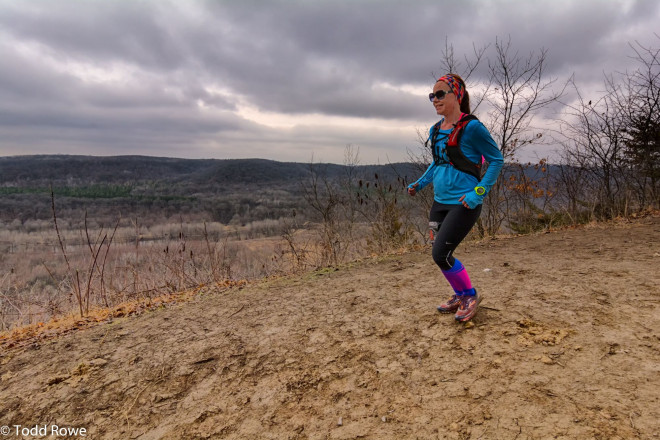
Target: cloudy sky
<point x="290" y="80"/>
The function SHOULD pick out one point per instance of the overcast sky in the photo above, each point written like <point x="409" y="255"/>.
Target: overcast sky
<point x="289" y="80"/>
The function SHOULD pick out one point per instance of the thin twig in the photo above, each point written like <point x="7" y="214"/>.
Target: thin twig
<point x="237" y="311"/>
<point x="105" y="257"/>
<point x="76" y="286"/>
<point x="214" y="270"/>
<point x="91" y="274"/>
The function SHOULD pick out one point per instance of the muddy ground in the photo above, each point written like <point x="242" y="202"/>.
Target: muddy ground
<point x="566" y="346"/>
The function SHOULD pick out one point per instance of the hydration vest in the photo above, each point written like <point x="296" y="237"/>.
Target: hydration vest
<point x="453" y="149"/>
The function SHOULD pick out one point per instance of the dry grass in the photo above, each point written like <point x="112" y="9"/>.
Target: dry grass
<point x="101" y="270"/>
<point x="56" y="326"/>
<point x="38" y="283"/>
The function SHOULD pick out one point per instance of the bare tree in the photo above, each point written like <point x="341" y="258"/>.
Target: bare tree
<point x="518" y="92"/>
<point x="595" y="143"/>
<point x="615" y="139"/>
<point x="323" y="196"/>
<point x="642" y="146"/>
<point x="349" y="189"/>
<point x="520" y="89"/>
<point x="466" y="68"/>
<point x="571" y="181"/>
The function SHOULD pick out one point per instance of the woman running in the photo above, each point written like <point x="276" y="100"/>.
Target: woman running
<point x="460" y="143"/>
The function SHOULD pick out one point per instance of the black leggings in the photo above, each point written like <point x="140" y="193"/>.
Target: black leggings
<point x="454" y="223"/>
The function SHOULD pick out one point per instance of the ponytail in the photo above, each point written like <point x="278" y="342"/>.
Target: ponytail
<point x="465" y="102"/>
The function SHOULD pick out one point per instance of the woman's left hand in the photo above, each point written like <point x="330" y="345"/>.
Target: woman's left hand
<point x="471" y="200"/>
<point x="462" y="200"/>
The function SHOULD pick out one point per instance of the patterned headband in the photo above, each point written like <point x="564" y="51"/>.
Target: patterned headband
<point x="455" y="86"/>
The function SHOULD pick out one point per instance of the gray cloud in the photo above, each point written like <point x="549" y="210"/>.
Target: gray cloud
<point x="172" y="78"/>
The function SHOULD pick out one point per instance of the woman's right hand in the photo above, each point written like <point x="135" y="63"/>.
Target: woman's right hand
<point x="412" y="190"/>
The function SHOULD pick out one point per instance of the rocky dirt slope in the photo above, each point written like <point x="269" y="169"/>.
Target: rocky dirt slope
<point x="566" y="346"/>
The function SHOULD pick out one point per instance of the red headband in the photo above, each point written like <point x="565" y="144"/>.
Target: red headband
<point x="455" y="86"/>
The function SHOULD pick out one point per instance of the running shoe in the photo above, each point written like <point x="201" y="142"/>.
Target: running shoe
<point x="468" y="307"/>
<point x="451" y="305"/>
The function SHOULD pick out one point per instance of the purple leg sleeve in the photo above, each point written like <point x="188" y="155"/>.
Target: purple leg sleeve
<point x="459" y="279"/>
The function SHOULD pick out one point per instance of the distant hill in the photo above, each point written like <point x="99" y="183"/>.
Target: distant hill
<point x="153" y="188"/>
<point x="91" y="170"/>
<point x="24" y="170"/>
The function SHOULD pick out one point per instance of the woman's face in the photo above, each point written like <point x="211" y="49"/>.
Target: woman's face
<point x="446" y="105"/>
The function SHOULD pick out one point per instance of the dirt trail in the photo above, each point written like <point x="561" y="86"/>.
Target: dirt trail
<point x="567" y="346"/>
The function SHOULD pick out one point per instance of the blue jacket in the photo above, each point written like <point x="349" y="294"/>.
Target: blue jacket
<point x="450" y="184"/>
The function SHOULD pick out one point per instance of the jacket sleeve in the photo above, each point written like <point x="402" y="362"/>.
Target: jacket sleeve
<point x="429" y="174"/>
<point x="488" y="148"/>
<point x="426" y="178"/>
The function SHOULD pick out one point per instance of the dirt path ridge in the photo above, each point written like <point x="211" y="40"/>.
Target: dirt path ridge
<point x="566" y="346"/>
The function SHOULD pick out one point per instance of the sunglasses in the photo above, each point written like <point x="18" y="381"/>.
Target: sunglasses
<point x="440" y="94"/>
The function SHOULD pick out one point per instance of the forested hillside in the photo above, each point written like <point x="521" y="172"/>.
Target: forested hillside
<point x="245" y="190"/>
